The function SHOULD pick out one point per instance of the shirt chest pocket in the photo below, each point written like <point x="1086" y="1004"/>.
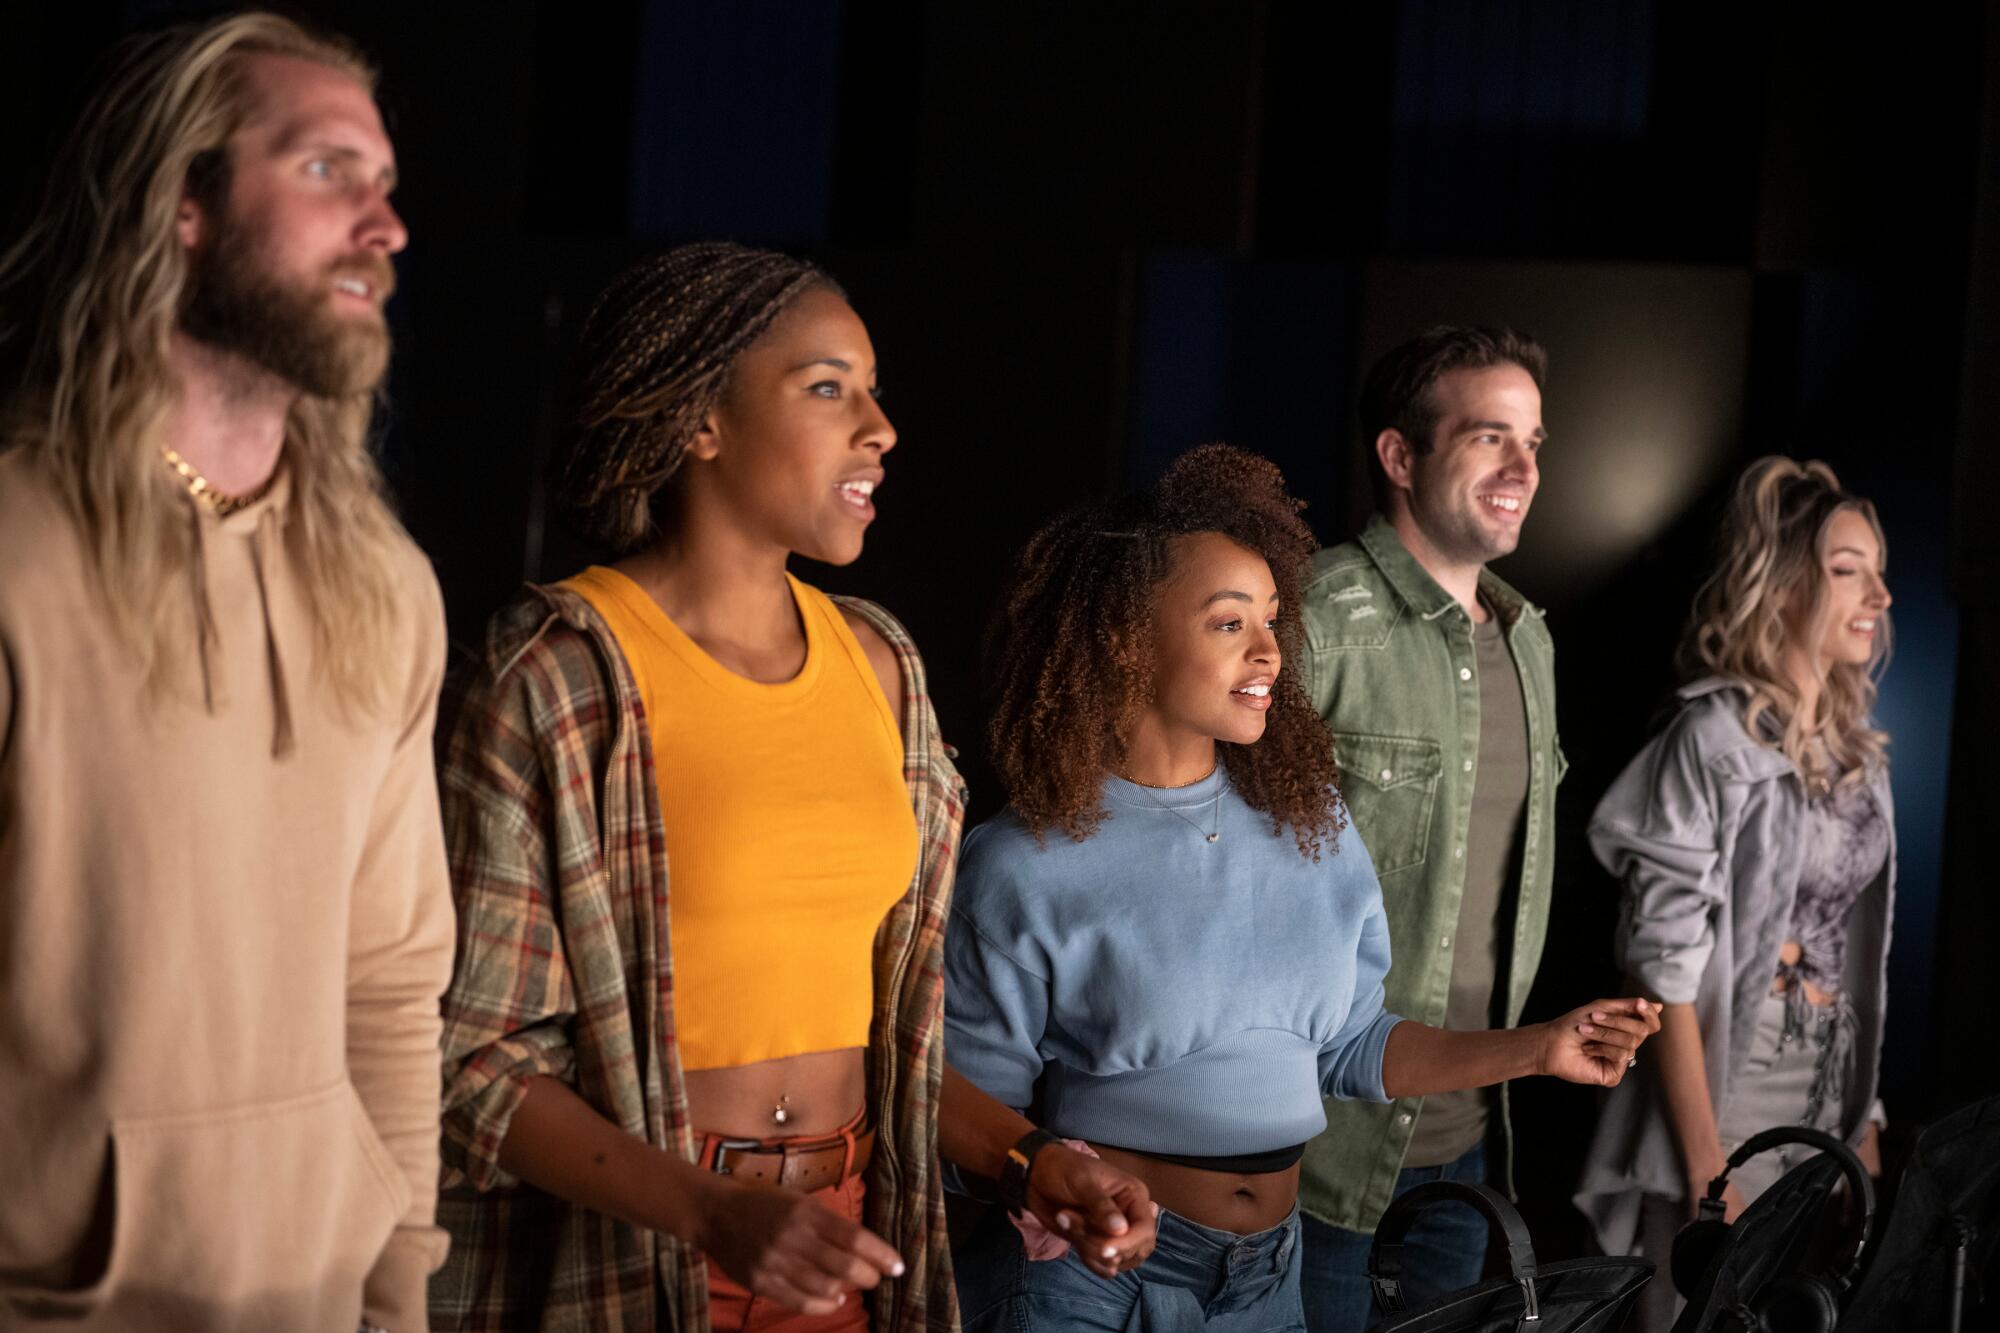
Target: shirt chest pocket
<point x="1390" y="785"/>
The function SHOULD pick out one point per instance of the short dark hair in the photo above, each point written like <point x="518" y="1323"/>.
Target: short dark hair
<point x="1397" y="393"/>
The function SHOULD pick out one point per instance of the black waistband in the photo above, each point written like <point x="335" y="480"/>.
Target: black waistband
<point x="1242" y="1164"/>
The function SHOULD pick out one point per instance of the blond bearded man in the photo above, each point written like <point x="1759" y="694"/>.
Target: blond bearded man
<point x="224" y="915"/>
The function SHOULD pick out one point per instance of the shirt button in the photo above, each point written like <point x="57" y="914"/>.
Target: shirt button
<point x="1444" y="942"/>
<point x="1458" y="853"/>
<point x="1387" y="774"/>
<point x="1465" y="673"/>
<point x="1468" y="765"/>
<point x="1403" y="1119"/>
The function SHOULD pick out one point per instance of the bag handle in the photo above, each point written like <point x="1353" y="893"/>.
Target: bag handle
<point x="1843" y="1156"/>
<point x="1385" y="1260"/>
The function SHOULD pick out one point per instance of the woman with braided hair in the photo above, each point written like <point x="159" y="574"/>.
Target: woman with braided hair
<point x="720" y="1105"/>
<point x="1172" y="942"/>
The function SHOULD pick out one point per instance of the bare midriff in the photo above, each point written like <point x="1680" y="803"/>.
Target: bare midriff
<point x="1788" y="956"/>
<point x="819" y="1093"/>
<point x="1225" y="1200"/>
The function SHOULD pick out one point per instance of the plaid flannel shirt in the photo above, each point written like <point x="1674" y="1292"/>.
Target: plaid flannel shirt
<point x="564" y="969"/>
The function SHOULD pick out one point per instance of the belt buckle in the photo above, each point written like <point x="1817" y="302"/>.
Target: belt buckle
<point x="738" y="1145"/>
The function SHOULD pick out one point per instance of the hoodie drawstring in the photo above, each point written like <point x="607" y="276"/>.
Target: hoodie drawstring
<point x="208" y="642"/>
<point x="208" y="639"/>
<point x="282" y="740"/>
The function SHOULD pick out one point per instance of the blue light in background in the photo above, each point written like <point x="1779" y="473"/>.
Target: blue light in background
<point x="734" y="130"/>
<point x="1850" y="334"/>
<point x="1574" y="67"/>
<point x="1256" y="354"/>
<point x="1915" y="707"/>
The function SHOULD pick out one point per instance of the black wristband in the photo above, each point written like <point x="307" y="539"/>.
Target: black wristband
<point x="1020" y="1163"/>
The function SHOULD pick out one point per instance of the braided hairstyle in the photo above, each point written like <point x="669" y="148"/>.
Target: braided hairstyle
<point x="654" y="359"/>
<point x="1072" y="650"/>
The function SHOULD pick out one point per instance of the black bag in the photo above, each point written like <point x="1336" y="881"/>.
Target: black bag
<point x="1574" y="1296"/>
<point x="1939" y="1260"/>
<point x="1756" y="1274"/>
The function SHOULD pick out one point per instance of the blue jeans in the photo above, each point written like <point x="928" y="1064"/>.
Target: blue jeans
<point x="1197" y="1278"/>
<point x="1445" y="1251"/>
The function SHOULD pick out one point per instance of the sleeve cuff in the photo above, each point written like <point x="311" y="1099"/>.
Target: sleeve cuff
<point x="474" y="1133"/>
<point x="1363" y="1080"/>
<point x="1673" y="978"/>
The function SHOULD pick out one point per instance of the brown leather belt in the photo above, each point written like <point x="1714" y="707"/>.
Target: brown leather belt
<point x="805" y="1167"/>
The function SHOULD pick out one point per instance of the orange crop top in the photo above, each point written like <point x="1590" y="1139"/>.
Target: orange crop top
<point x="788" y="824"/>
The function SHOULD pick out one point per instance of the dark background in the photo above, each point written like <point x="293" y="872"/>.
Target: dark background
<point x="1086" y="237"/>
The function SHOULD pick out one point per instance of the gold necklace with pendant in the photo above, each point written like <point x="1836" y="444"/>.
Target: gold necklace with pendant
<point x="1210" y="834"/>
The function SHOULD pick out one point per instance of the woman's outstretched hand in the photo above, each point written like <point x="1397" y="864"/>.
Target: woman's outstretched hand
<point x="1597" y="1043"/>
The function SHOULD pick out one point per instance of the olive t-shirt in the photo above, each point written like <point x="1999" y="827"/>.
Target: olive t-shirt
<point x="1451" y="1123"/>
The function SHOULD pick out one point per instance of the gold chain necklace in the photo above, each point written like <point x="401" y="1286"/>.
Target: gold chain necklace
<point x="204" y="491"/>
<point x="1209" y="834"/>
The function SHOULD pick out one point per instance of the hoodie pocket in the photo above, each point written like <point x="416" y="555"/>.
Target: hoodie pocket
<point x="268" y="1212"/>
<point x="82" y="1289"/>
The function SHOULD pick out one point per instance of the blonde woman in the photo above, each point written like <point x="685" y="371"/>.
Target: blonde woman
<point x="1756" y="844"/>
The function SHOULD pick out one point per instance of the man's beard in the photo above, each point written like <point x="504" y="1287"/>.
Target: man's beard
<point x="1458" y="535"/>
<point x="237" y="304"/>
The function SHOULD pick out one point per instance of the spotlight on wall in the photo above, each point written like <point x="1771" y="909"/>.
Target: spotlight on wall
<point x="1644" y="400"/>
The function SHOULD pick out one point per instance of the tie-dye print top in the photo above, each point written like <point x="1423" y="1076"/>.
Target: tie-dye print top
<point x="1846" y="842"/>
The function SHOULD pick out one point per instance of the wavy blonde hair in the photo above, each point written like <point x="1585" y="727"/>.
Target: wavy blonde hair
<point x="89" y="300"/>
<point x="1768" y="591"/>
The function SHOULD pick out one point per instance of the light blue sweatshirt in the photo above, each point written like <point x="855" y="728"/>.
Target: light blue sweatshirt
<point x="1177" y="995"/>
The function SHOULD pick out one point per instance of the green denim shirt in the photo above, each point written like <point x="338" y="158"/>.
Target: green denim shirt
<point x="1390" y="665"/>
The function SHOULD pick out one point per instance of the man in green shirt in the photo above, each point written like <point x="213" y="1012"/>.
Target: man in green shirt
<point x="1438" y="682"/>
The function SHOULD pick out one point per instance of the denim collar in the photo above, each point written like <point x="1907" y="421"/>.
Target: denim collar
<point x="1422" y="593"/>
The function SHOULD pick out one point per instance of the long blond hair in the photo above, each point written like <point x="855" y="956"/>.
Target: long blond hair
<point x="1769" y="589"/>
<point x="89" y="299"/>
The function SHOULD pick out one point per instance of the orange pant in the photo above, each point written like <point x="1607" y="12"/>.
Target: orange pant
<point x="731" y="1307"/>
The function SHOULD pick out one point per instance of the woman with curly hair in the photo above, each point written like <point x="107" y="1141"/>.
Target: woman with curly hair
<point x="721" y="1104"/>
<point x="1171" y="941"/>
<point x="1756" y="843"/>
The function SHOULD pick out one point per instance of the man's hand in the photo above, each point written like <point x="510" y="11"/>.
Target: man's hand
<point x="782" y="1245"/>
<point x="1596" y="1043"/>
<point x="1105" y="1214"/>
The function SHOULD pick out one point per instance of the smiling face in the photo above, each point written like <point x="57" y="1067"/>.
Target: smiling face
<point x="794" y="451"/>
<point x="1850" y="563"/>
<point x="1469" y="493"/>
<point x="1215" y="642"/>
<point x="289" y="267"/>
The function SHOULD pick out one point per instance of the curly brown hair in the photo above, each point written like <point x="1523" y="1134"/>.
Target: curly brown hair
<point x="1072" y="650"/>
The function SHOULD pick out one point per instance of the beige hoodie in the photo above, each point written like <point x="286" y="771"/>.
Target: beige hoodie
<point x="224" y="927"/>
